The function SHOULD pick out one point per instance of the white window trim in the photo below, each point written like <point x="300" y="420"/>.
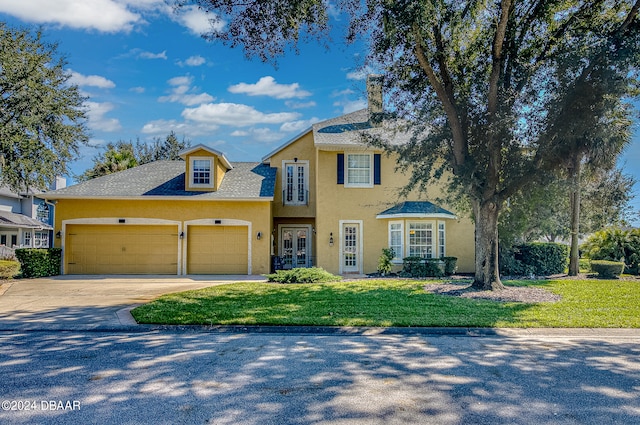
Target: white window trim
<point x="346" y="171"/>
<point x="211" y="172"/>
<point x="444" y="237"/>
<point x="360" y="224"/>
<point x="305" y="164"/>
<point x="398" y="255"/>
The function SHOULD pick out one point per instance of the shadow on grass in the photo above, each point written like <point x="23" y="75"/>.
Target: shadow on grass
<point x="362" y="303"/>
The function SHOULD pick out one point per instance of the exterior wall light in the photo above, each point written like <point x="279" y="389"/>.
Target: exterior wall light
<point x="259" y="236"/>
<point x="181" y="235"/>
<point x="331" y="239"/>
<point x="58" y="234"/>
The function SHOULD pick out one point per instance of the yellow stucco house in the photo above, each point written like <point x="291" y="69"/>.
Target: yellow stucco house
<point x="322" y="199"/>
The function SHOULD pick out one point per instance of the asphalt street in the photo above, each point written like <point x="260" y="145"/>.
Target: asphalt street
<point x="197" y="376"/>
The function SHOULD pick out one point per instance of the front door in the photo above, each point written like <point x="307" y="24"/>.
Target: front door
<point x="295" y="247"/>
<point x="350" y="248"/>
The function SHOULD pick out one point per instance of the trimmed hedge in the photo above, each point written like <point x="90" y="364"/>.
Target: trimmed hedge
<point x="9" y="269"/>
<point x="607" y="269"/>
<point x="302" y="275"/>
<point x="421" y="267"/>
<point x="538" y="259"/>
<point x="615" y="245"/>
<point x="39" y="262"/>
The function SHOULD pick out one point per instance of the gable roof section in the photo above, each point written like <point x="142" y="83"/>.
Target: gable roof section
<point x="416" y="209"/>
<point x="195" y="148"/>
<point x="166" y="180"/>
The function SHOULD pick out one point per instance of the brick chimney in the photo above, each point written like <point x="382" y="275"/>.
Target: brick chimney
<point x="374" y="94"/>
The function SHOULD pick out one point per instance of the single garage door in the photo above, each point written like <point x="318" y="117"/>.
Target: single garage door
<point x="217" y="250"/>
<point x="121" y="249"/>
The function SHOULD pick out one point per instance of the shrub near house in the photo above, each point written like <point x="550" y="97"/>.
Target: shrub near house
<point x="39" y="262"/>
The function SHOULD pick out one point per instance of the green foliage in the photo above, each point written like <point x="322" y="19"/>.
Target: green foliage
<point x="42" y="116"/>
<point x="450" y="265"/>
<point x="123" y="155"/>
<point x="418" y="267"/>
<point x="615" y="245"/>
<point x="39" y="262"/>
<point x="539" y="259"/>
<point x="542" y="210"/>
<point x="302" y="275"/>
<point x="9" y="269"/>
<point x="385" y="261"/>
<point x="607" y="269"/>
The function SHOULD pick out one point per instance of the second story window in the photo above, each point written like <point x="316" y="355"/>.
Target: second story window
<point x="295" y="183"/>
<point x="359" y="170"/>
<point x="201" y="173"/>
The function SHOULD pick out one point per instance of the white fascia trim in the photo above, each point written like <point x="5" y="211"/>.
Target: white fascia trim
<point x="267" y="158"/>
<point x="164" y="198"/>
<point x="417" y="215"/>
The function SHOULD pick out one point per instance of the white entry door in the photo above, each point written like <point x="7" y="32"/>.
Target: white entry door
<point x="351" y="247"/>
<point x="295" y="247"/>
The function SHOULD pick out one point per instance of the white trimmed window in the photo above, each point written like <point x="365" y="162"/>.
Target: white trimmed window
<point x="421" y="240"/>
<point x="396" y="240"/>
<point x="295" y="183"/>
<point x="359" y="170"/>
<point x="201" y="173"/>
<point x="27" y="238"/>
<point x="441" y="240"/>
<point x="41" y="239"/>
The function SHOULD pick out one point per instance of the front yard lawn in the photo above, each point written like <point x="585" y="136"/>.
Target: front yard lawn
<point x="585" y="303"/>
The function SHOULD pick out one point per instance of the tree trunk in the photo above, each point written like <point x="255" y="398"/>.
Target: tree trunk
<point x="487" y="274"/>
<point x="574" y="255"/>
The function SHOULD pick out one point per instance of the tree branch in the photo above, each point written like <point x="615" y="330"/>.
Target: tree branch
<point x="459" y="139"/>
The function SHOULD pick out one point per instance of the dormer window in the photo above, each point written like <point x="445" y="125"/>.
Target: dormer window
<point x="201" y="172"/>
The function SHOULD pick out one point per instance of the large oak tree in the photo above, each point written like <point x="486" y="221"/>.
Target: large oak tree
<point x="42" y="116"/>
<point x="495" y="91"/>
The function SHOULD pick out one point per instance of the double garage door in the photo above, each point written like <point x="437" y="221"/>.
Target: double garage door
<point x="154" y="249"/>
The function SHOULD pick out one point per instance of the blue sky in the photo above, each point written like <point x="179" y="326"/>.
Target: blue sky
<point x="147" y="71"/>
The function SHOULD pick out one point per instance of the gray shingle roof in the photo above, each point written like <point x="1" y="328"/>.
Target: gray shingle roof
<point x="416" y="209"/>
<point x="19" y="220"/>
<point x="347" y="129"/>
<point x="247" y="180"/>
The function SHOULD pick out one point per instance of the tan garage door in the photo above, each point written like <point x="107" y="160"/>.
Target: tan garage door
<point x="121" y="249"/>
<point x="217" y="250"/>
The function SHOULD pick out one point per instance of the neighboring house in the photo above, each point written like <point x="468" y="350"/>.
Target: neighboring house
<point x="25" y="220"/>
<point x="323" y="199"/>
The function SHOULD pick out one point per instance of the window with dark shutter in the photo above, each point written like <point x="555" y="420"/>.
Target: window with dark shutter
<point x="376" y="168"/>
<point x="340" y="168"/>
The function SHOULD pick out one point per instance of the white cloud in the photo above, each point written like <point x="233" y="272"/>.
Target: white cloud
<point x="164" y="127"/>
<point x="359" y="74"/>
<point x="351" y="105"/>
<point x="267" y="86"/>
<point x="97" y="117"/>
<point x="150" y="55"/>
<point x="239" y="133"/>
<point x="91" y="80"/>
<point x="138" y="89"/>
<point x="196" y="60"/>
<point x="298" y="126"/>
<point x="235" y="115"/>
<point x="299" y="105"/>
<point x="102" y="15"/>
<point x="182" y="92"/>
<point x="197" y="20"/>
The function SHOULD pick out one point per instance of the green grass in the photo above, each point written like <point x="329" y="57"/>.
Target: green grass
<point x="585" y="303"/>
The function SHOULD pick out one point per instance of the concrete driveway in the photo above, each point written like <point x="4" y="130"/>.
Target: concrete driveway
<point x="89" y="302"/>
